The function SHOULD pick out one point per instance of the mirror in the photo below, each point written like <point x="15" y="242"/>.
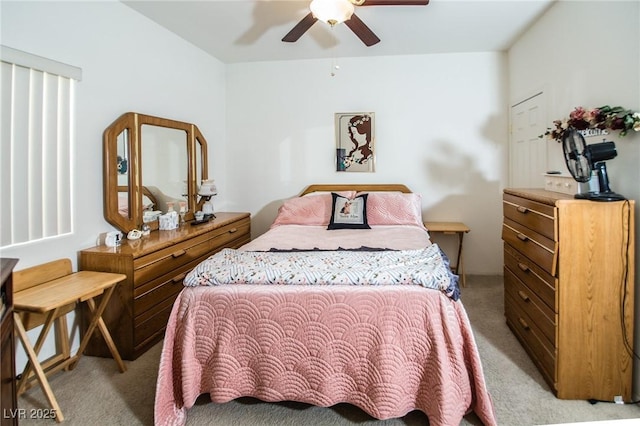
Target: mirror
<point x="122" y="168"/>
<point x="164" y="171"/>
<point x="150" y="162"/>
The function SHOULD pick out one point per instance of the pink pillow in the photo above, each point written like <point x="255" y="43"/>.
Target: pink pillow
<point x="308" y="210"/>
<point x="394" y="208"/>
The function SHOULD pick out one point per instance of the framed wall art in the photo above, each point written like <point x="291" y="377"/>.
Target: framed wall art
<point x="355" y="141"/>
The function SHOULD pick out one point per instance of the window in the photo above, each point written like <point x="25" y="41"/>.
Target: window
<point x="36" y="141"/>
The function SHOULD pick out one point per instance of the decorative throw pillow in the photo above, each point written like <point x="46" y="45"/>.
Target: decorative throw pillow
<point x="348" y="213"/>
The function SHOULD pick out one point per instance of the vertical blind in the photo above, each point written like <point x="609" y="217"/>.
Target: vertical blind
<point x="36" y="137"/>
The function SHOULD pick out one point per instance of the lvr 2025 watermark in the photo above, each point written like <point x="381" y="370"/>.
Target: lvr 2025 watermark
<point x="32" y="413"/>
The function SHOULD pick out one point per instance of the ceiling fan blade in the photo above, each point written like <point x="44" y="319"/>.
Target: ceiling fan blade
<point x="300" y="28"/>
<point x="395" y="3"/>
<point x="361" y="30"/>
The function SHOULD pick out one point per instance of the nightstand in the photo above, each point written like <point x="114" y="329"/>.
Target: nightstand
<point x="452" y="228"/>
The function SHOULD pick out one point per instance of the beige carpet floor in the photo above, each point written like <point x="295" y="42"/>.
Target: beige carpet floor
<point x="95" y="393"/>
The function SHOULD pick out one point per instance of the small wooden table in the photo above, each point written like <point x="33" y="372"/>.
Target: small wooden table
<point x="452" y="228"/>
<point x="52" y="299"/>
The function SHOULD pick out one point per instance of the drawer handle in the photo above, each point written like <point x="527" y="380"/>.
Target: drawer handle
<point x="522" y="237"/>
<point x="178" y="253"/>
<point x="523" y="295"/>
<point x="523" y="209"/>
<point x="179" y="278"/>
<point x="524" y="267"/>
<point x="523" y="323"/>
<point x="233" y="230"/>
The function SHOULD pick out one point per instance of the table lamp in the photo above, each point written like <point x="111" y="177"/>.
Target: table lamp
<point x="207" y="190"/>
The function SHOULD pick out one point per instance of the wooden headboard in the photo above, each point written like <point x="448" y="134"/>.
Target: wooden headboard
<point x="335" y="187"/>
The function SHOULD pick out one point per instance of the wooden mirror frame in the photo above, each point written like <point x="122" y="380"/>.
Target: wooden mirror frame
<point x="133" y="122"/>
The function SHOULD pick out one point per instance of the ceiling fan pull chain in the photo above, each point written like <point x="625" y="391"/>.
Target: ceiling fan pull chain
<point x="334" y="65"/>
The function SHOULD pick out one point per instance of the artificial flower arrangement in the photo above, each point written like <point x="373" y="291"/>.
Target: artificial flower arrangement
<point x="603" y="118"/>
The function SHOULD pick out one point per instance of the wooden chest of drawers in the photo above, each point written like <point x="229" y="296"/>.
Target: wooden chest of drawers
<point x="568" y="270"/>
<point x="155" y="266"/>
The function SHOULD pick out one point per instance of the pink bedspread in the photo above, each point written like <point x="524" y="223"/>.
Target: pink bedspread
<point x="388" y="350"/>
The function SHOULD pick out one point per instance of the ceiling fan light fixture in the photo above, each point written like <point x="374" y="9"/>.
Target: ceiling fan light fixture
<point x="332" y="11"/>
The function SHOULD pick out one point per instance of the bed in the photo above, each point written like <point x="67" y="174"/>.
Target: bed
<point x="343" y="300"/>
<point x="149" y="201"/>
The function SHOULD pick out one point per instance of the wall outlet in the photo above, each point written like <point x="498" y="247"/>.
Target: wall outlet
<point x="618" y="399"/>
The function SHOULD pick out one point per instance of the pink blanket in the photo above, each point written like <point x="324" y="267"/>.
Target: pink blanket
<point x="388" y="350"/>
<point x="397" y="237"/>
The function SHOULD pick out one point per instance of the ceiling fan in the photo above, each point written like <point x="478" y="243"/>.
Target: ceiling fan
<point x="334" y="12"/>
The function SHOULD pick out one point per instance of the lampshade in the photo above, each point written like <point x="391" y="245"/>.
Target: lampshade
<point x="332" y="11"/>
<point x="208" y="188"/>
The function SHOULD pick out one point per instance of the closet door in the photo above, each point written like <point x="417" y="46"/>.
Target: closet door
<point x="527" y="152"/>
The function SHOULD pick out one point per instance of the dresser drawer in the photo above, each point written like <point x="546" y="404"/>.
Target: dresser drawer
<point x="166" y="260"/>
<point x="532" y="339"/>
<point x="149" y="327"/>
<point x="149" y="295"/>
<point x="543" y="317"/>
<point x="538" y="248"/>
<point x="533" y="215"/>
<point x="234" y="235"/>
<point x="534" y="277"/>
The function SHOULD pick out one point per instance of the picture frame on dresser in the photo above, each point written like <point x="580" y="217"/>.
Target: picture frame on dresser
<point x="569" y="294"/>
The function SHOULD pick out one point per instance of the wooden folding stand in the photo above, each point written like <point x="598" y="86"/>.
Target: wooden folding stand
<point x="452" y="228"/>
<point x="44" y="294"/>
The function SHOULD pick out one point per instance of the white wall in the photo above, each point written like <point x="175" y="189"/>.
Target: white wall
<point x="129" y="64"/>
<point x="587" y="54"/>
<point x="441" y="129"/>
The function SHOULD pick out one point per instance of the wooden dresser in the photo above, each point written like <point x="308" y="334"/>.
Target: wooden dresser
<point x="8" y="395"/>
<point x="155" y="266"/>
<point x="568" y="269"/>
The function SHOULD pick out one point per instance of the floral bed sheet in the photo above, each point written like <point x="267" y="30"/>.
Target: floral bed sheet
<point x="426" y="267"/>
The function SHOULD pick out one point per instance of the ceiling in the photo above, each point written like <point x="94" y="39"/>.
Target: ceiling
<point x="251" y="30"/>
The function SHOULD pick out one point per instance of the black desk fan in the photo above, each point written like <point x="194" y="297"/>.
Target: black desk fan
<point x="582" y="158"/>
